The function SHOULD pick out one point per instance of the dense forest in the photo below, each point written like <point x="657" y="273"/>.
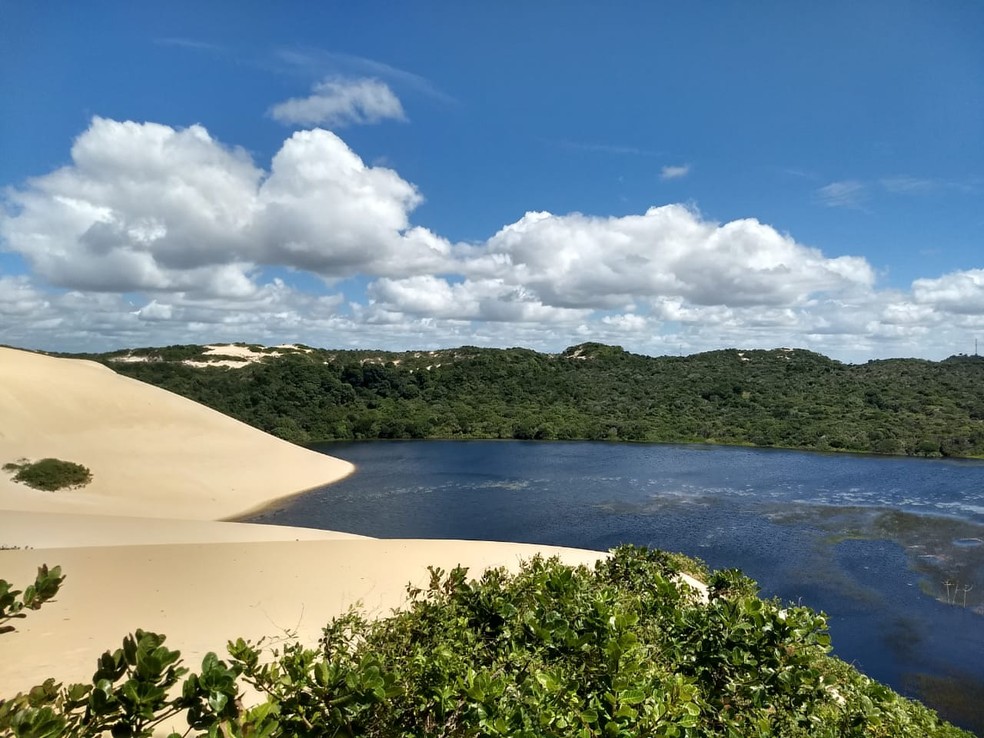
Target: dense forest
<point x="788" y="398"/>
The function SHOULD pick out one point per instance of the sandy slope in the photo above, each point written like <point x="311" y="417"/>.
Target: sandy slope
<point x="200" y="595"/>
<point x="68" y="530"/>
<point x="139" y="545"/>
<point x="150" y="452"/>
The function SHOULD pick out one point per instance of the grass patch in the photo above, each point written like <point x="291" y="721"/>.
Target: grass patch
<point x="50" y="475"/>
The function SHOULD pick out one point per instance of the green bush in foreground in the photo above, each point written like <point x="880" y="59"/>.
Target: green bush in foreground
<point x="622" y="650"/>
<point x="50" y="474"/>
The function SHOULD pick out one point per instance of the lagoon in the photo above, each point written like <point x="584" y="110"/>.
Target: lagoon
<point x="883" y="545"/>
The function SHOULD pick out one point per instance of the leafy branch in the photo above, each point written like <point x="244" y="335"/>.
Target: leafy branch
<point x="13" y="602"/>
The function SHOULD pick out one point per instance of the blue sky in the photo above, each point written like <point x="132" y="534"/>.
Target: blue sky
<point x="671" y="177"/>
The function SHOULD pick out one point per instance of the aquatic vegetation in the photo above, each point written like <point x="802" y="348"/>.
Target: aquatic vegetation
<point x="941" y="549"/>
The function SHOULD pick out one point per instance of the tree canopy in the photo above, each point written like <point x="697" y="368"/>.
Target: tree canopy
<point x="788" y="398"/>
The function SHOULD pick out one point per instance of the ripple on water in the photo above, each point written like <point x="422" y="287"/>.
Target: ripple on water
<point x="968" y="542"/>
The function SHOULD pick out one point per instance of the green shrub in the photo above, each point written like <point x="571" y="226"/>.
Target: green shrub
<point x="623" y="650"/>
<point x="619" y="651"/>
<point x="50" y="474"/>
<point x="130" y="696"/>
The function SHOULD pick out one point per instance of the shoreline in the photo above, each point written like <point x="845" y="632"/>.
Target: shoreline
<point x="273" y="503"/>
<point x="626" y="442"/>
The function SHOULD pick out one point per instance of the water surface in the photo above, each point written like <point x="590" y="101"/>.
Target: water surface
<point x="884" y="545"/>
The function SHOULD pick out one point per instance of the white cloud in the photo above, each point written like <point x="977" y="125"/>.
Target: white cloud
<point x="845" y="194"/>
<point x="957" y="292"/>
<point x="481" y="300"/>
<point x="338" y="102"/>
<point x="155" y="235"/>
<point x="320" y="63"/>
<point x="19" y="299"/>
<point x="155" y="311"/>
<point x="906" y="185"/>
<point x="674" y="172"/>
<point x="579" y="261"/>
<point x="141" y="207"/>
<point x="322" y="209"/>
<point x="626" y="322"/>
<point x="146" y="207"/>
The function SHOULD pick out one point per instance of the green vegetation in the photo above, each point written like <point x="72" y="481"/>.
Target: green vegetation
<point x="621" y="650"/>
<point x="50" y="475"/>
<point x="130" y="695"/>
<point x="784" y="398"/>
<point x="13" y="602"/>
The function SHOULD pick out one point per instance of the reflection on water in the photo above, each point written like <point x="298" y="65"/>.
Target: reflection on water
<point x="885" y="546"/>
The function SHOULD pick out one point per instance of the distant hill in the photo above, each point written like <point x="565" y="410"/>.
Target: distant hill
<point x="788" y="398"/>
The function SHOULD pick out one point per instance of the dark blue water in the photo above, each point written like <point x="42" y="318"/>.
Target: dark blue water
<point x="868" y="540"/>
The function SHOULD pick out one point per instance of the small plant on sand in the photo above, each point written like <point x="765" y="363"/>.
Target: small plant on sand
<point x="50" y="474"/>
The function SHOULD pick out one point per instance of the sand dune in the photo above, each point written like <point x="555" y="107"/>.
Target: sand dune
<point x="140" y="545"/>
<point x="150" y="451"/>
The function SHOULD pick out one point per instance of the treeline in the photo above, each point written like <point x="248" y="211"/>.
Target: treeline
<point x="783" y="397"/>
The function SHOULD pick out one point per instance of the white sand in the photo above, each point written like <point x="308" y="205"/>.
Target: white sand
<point x="201" y="595"/>
<point x="139" y="545"/>
<point x="68" y="530"/>
<point x="151" y="452"/>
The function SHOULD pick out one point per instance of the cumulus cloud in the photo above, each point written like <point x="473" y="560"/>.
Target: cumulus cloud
<point x="338" y="102"/>
<point x="626" y="322"/>
<point x="146" y="207"/>
<point x="19" y="299"/>
<point x="322" y="209"/>
<point x="958" y="292"/>
<point x="134" y="209"/>
<point x="492" y="300"/>
<point x="578" y="261"/>
<point x="674" y="172"/>
<point x="155" y="311"/>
